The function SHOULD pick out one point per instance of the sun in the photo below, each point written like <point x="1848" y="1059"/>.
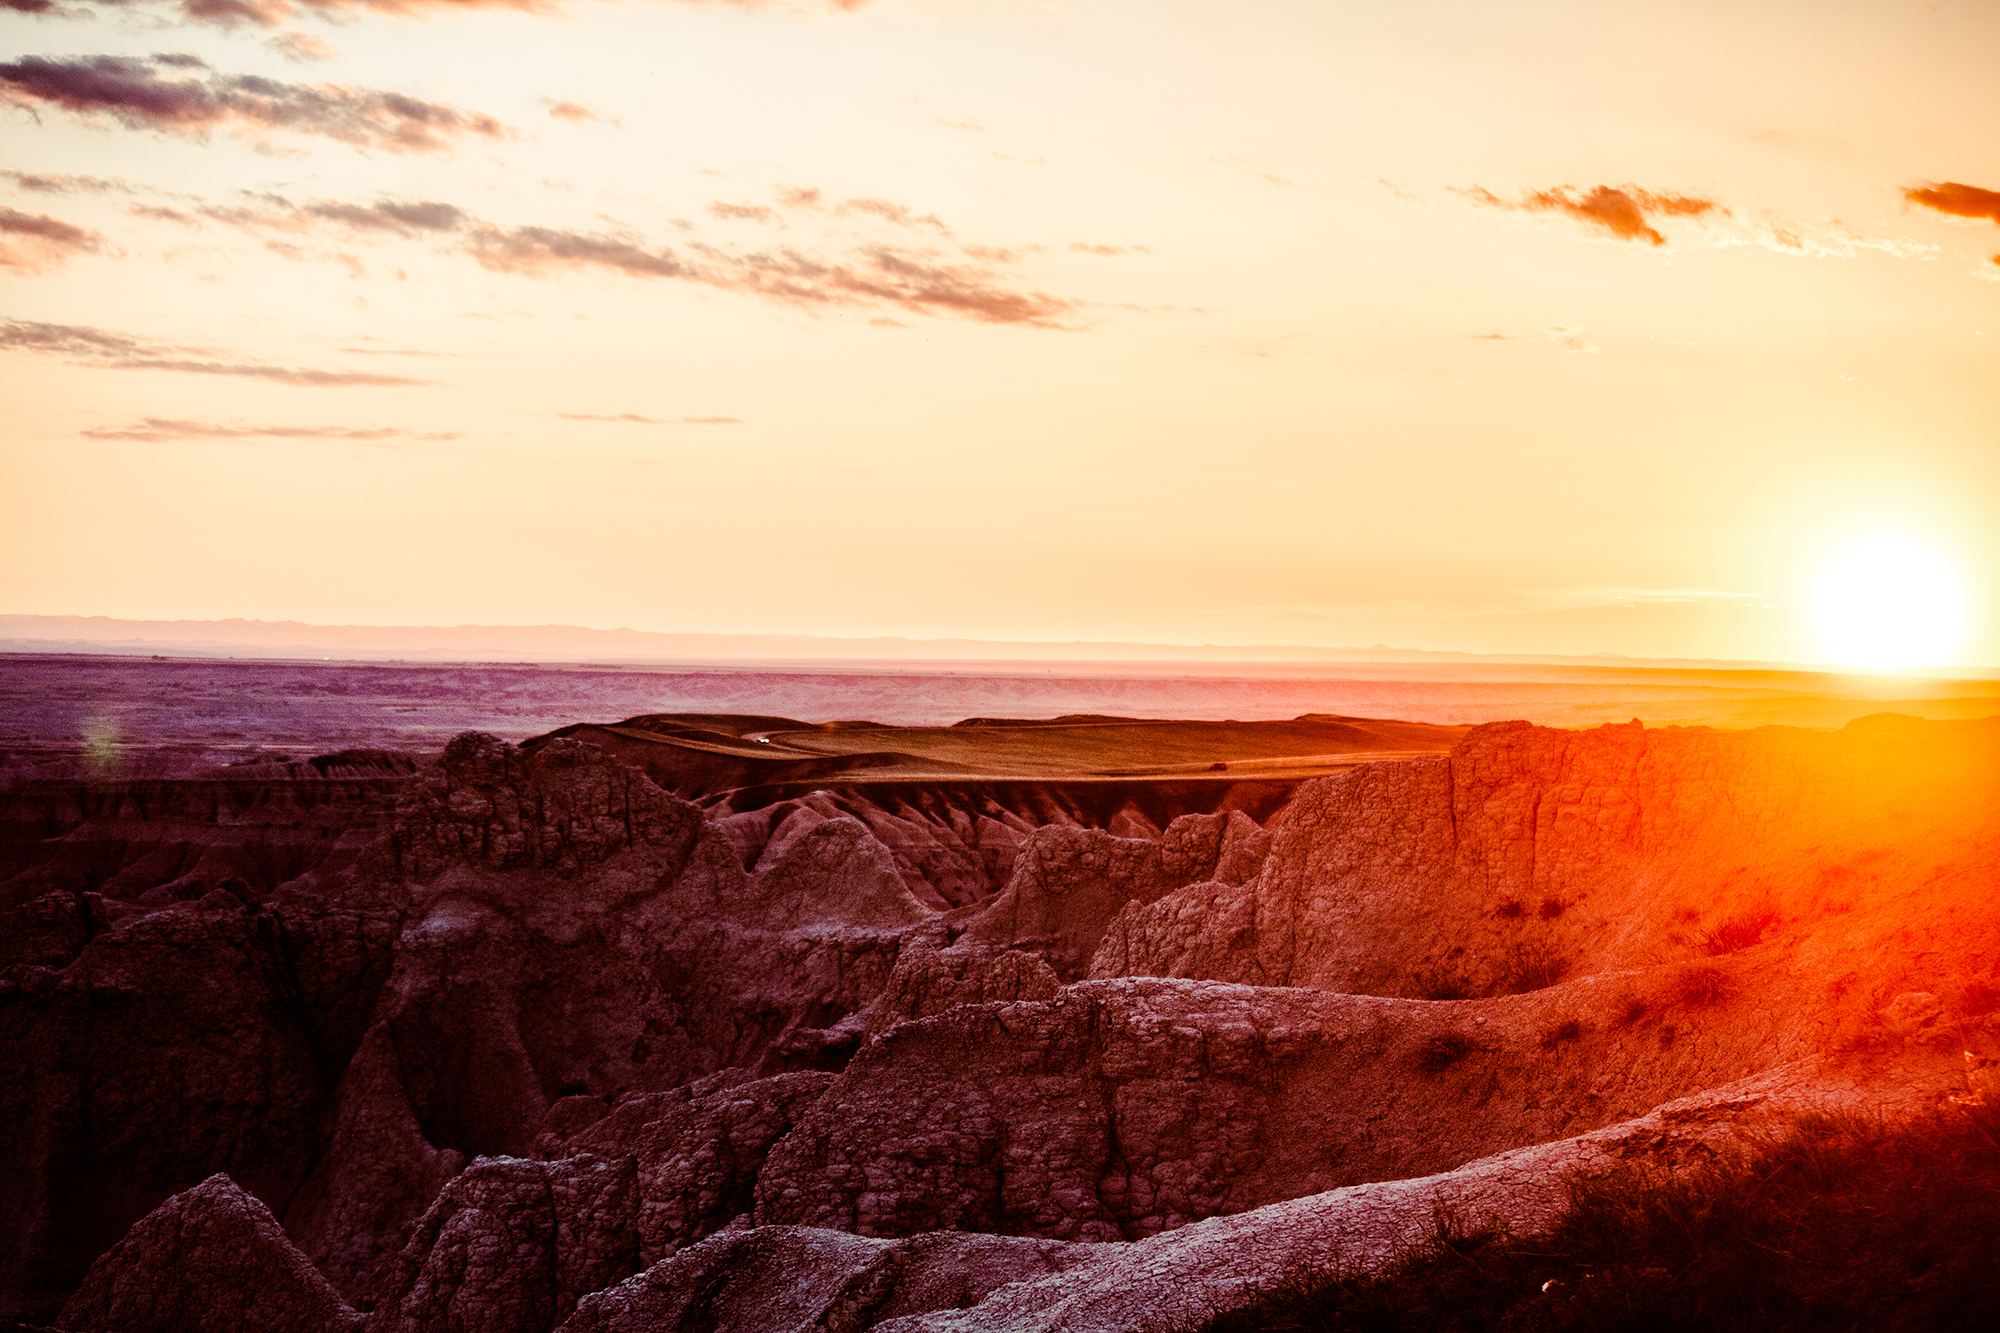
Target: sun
<point x="1890" y="602"/>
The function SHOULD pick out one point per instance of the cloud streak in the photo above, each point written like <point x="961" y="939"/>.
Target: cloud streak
<point x="1956" y="200"/>
<point x="101" y="349"/>
<point x="636" y="419"/>
<point x="1625" y="212"/>
<point x="872" y="275"/>
<point x="35" y="242"/>
<point x="270" y="14"/>
<point x="183" y="95"/>
<point x="869" y="274"/>
<point x="162" y="429"/>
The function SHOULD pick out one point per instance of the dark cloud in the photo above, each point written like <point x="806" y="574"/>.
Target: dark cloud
<point x="116" y="351"/>
<point x="1623" y="211"/>
<point x="650" y="421"/>
<point x="181" y="94"/>
<point x="155" y="429"/>
<point x="36" y="242"/>
<point x="1960" y="201"/>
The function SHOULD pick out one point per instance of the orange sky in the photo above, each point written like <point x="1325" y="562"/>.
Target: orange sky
<point x="1534" y="327"/>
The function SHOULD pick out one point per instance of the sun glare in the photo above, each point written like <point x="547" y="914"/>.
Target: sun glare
<point x="1890" y="602"/>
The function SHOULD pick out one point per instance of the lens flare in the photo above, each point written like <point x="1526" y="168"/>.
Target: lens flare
<point x="1891" y="602"/>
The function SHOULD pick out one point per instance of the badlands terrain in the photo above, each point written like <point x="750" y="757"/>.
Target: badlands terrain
<point x="516" y="999"/>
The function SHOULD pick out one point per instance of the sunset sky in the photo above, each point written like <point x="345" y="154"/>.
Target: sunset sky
<point x="1668" y="330"/>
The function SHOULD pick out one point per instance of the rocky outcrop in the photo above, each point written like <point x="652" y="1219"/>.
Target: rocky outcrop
<point x="929" y="980"/>
<point x="697" y="1150"/>
<point x="510" y="1245"/>
<point x="1121" y="1109"/>
<point x="1529" y="854"/>
<point x="210" y="1260"/>
<point x="1069" y="883"/>
<point x="197" y="1039"/>
<point x="802" y="1280"/>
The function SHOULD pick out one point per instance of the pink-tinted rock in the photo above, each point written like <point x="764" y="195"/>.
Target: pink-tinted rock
<point x="210" y="1260"/>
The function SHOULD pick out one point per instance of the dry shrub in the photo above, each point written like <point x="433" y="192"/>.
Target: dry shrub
<point x="1738" y="932"/>
<point x="1447" y="980"/>
<point x="1443" y="1051"/>
<point x="1531" y="965"/>
<point x="1700" y="987"/>
<point x="1631" y="1011"/>
<point x="1566" y="1031"/>
<point x="1553" y="908"/>
<point x="1510" y="910"/>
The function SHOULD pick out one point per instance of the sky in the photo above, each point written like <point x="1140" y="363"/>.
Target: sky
<point x="1669" y="330"/>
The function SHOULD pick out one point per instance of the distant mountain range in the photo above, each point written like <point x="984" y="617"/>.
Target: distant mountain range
<point x="572" y="643"/>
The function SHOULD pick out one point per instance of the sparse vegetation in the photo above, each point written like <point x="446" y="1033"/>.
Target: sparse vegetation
<point x="1838" y="1224"/>
<point x="1566" y="1031"/>
<point x="1738" y="932"/>
<point x="1631" y="1011"/>
<point x="1552" y="908"/>
<point x="1447" y="980"/>
<point x="1700" y="987"/>
<point x="1442" y="1052"/>
<point x="1531" y="965"/>
<point x="1510" y="909"/>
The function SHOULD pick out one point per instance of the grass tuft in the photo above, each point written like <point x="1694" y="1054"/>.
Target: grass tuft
<point x="1738" y="932"/>
<point x="1531" y="965"/>
<point x="1701" y="987"/>
<point x="1567" y="1031"/>
<point x="1442" y="1052"/>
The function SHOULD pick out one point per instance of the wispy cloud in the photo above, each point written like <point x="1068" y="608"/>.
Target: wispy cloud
<point x="103" y="349"/>
<point x="635" y="418"/>
<point x="1959" y="201"/>
<point x="40" y="183"/>
<point x="577" y="112"/>
<point x="158" y="429"/>
<point x="729" y="212"/>
<point x="1569" y="337"/>
<point x="876" y="275"/>
<point x="36" y="242"/>
<point x="184" y="95"/>
<point x="869" y="273"/>
<point x="811" y="199"/>
<point x="1626" y="212"/>
<point x="277" y="13"/>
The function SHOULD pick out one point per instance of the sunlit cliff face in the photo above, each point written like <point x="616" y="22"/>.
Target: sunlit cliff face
<point x="1544" y="327"/>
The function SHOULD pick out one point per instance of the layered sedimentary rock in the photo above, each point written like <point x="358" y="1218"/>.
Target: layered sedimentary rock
<point x="558" y="1047"/>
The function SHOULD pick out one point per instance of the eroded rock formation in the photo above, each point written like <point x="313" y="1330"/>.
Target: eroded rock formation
<point x="555" y="1047"/>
